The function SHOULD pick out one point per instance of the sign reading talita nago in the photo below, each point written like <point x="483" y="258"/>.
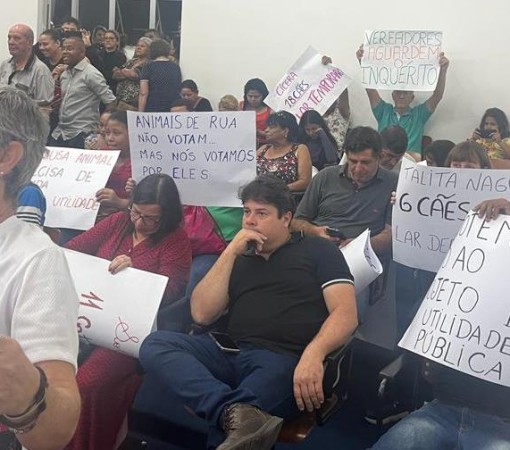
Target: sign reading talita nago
<point x="308" y="84"/>
<point x="401" y="60"/>
<point x="69" y="179"/>
<point x="431" y="205"/>
<point x="116" y="311"/>
<point x="209" y="155"/>
<point x="464" y="320"/>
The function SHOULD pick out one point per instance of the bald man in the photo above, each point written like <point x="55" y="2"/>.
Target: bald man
<point x="24" y="70"/>
<point x="83" y="89"/>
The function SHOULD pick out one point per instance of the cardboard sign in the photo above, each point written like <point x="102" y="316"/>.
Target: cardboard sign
<point x="69" y="179"/>
<point x="209" y="155"/>
<point x="362" y="261"/>
<point x="464" y="320"/>
<point x="431" y="204"/>
<point x="116" y="311"/>
<point x="308" y="84"/>
<point x="401" y="60"/>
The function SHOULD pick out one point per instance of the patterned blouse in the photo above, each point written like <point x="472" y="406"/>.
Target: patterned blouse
<point x="494" y="150"/>
<point x="284" y="167"/>
<point x="338" y="127"/>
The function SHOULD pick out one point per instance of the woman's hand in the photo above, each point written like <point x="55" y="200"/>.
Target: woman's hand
<point x="120" y="262"/>
<point x="130" y="186"/>
<point x="393" y="198"/>
<point x="496" y="137"/>
<point x="108" y="197"/>
<point x="476" y="135"/>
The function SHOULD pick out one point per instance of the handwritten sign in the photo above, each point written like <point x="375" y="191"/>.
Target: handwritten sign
<point x="116" y="311"/>
<point x="464" y="320"/>
<point x="431" y="204"/>
<point x="209" y="155"/>
<point x="401" y="60"/>
<point x="308" y="84"/>
<point x="362" y="261"/>
<point x="69" y="179"/>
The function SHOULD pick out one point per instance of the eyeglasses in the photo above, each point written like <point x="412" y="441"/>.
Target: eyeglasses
<point x="147" y="220"/>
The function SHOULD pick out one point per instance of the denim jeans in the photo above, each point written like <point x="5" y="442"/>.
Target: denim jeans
<point x="439" y="426"/>
<point x="207" y="379"/>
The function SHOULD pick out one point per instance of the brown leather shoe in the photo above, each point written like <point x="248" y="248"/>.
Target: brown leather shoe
<point x="249" y="428"/>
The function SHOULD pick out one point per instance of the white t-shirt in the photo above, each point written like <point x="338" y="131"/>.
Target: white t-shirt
<point x="38" y="302"/>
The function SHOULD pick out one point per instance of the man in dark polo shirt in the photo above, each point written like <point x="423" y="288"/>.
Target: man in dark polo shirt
<point x="352" y="197"/>
<point x="290" y="302"/>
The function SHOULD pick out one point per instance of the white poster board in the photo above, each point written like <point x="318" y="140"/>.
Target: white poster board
<point x="308" y="84"/>
<point x="401" y="59"/>
<point x="464" y="320"/>
<point x="362" y="261"/>
<point x="431" y="204"/>
<point x="116" y="311"/>
<point x="210" y="155"/>
<point x="69" y="179"/>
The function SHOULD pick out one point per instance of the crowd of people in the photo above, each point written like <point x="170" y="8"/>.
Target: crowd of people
<point x="271" y="269"/>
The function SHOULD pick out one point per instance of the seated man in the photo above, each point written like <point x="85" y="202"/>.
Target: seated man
<point x="394" y="146"/>
<point x="353" y="197"/>
<point x="291" y="302"/>
<point x="413" y="119"/>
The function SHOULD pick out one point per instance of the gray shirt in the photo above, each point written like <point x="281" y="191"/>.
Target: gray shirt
<point x="83" y="89"/>
<point x="35" y="79"/>
<point x="333" y="200"/>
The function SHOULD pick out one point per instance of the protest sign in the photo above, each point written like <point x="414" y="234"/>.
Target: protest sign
<point x="464" y="320"/>
<point x="431" y="204"/>
<point x="308" y="84"/>
<point x="116" y="311"/>
<point x="69" y="179"/>
<point x="401" y="60"/>
<point x="362" y="261"/>
<point x="209" y="155"/>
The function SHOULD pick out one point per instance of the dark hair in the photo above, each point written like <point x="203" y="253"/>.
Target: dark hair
<point x="159" y="189"/>
<point x="53" y="34"/>
<point x="160" y="47"/>
<point x="189" y="84"/>
<point x="96" y="30"/>
<point x="71" y="35"/>
<point x="155" y="32"/>
<point x="469" y="151"/>
<point x="313" y="117"/>
<point x="287" y="120"/>
<point x="255" y="84"/>
<point x="500" y="118"/>
<point x="395" y="139"/>
<point x="119" y="116"/>
<point x="270" y="190"/>
<point x="182" y="102"/>
<point x="362" y="138"/>
<point x="439" y="150"/>
<point x="71" y="20"/>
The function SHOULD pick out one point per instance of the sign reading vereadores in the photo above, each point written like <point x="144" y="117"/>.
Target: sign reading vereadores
<point x="401" y="60"/>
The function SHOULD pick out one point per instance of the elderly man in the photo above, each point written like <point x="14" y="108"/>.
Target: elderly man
<point x="39" y="399"/>
<point x="412" y="119"/>
<point x="83" y="89"/>
<point x="290" y="302"/>
<point x="24" y="70"/>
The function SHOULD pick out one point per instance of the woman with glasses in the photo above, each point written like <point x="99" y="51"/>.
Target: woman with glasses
<point x="148" y="236"/>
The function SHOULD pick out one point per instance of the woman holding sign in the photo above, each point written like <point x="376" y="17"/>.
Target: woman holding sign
<point x="283" y="156"/>
<point x="148" y="237"/>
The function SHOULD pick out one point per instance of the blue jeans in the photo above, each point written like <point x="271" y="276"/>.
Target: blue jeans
<point x="439" y="426"/>
<point x="207" y="379"/>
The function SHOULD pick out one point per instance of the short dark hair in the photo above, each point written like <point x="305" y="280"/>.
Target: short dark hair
<point x="71" y="20"/>
<point x="287" y="120"/>
<point x="359" y="139"/>
<point x="270" y="190"/>
<point x="395" y="139"/>
<point x="189" y="84"/>
<point x="255" y="84"/>
<point x="439" y="150"/>
<point x="182" y="102"/>
<point x="159" y="189"/>
<point x="119" y="116"/>
<point x="469" y="151"/>
<point x="53" y="34"/>
<point x="501" y="119"/>
<point x="160" y="47"/>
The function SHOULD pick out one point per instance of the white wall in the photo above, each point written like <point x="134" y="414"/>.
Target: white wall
<point x="227" y="42"/>
<point x="29" y="12"/>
